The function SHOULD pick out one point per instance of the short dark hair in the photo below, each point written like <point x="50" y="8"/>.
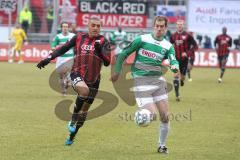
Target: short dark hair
<point x="95" y="18"/>
<point x="63" y="22"/>
<point x="161" y="18"/>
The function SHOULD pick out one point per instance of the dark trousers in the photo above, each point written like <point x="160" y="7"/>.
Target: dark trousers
<point x="49" y="25"/>
<point x="25" y="26"/>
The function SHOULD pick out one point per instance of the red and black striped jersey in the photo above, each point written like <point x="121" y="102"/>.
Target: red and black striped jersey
<point x="88" y="59"/>
<point x="222" y="43"/>
<point x="183" y="42"/>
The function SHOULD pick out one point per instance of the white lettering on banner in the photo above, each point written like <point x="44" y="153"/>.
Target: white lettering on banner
<point x="201" y="19"/>
<point x="6" y="5"/>
<point x="134" y="8"/>
<point x="112" y="7"/>
<point x="34" y="52"/>
<point x="230" y="61"/>
<point x="228" y="11"/>
<point x="116" y="20"/>
<point x="210" y="59"/>
<point x="196" y="61"/>
<point x="238" y="59"/>
<point x="203" y="10"/>
<point x="3" y="52"/>
<point x="202" y="60"/>
<point x="212" y="56"/>
<point x="209" y="16"/>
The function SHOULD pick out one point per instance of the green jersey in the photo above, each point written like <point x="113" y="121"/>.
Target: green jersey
<point x="61" y="39"/>
<point x="150" y="53"/>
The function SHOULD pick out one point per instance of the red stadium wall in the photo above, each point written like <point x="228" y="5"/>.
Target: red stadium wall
<point x="203" y="57"/>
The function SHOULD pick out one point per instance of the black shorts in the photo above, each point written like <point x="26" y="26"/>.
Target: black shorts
<point x="93" y="87"/>
<point x="183" y="66"/>
<point x="224" y="57"/>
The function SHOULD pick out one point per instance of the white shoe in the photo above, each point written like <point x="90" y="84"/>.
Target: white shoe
<point x="219" y="80"/>
<point x="20" y="62"/>
<point x="10" y="61"/>
<point x="178" y="99"/>
<point x="190" y="80"/>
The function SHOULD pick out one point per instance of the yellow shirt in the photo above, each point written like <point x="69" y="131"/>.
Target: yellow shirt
<point x="18" y="34"/>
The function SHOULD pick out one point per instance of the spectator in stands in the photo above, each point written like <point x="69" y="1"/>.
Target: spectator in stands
<point x="68" y="12"/>
<point x="207" y="43"/>
<point x="168" y="35"/>
<point x="199" y="38"/>
<point x="237" y="43"/>
<point x="73" y="28"/>
<point x="50" y="17"/>
<point x="37" y="11"/>
<point x="25" y="18"/>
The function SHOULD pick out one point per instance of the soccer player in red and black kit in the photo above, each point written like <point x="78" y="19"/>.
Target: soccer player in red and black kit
<point x="91" y="51"/>
<point x="222" y="44"/>
<point x="191" y="59"/>
<point x="183" y="44"/>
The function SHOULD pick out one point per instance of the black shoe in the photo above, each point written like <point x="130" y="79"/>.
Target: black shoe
<point x="182" y="83"/>
<point x="162" y="149"/>
<point x="178" y="99"/>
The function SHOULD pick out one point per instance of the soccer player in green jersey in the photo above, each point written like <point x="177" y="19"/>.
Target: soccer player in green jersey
<point x="150" y="86"/>
<point x="64" y="62"/>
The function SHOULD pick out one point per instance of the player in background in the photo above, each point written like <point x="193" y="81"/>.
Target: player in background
<point x="92" y="51"/>
<point x="151" y="49"/>
<point x="191" y="59"/>
<point x="20" y="38"/>
<point x="184" y="44"/>
<point x="118" y="38"/>
<point x="64" y="62"/>
<point x="222" y="43"/>
<point x="74" y="28"/>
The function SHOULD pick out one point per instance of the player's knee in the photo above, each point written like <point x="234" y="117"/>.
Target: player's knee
<point x="176" y="77"/>
<point x="82" y="90"/>
<point x="164" y="118"/>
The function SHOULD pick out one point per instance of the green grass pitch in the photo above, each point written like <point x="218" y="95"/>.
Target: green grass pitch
<point x="205" y="125"/>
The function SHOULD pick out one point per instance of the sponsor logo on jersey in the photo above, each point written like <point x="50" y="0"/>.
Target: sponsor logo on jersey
<point x="87" y="47"/>
<point x="150" y="54"/>
<point x="224" y="41"/>
<point x="178" y="42"/>
<point x="184" y="37"/>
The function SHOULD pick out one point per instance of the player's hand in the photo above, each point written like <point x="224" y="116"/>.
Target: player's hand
<point x="26" y="43"/>
<point x="184" y="54"/>
<point x="43" y="63"/>
<point x="97" y="46"/>
<point x="114" y="77"/>
<point x="174" y="68"/>
<point x="176" y="75"/>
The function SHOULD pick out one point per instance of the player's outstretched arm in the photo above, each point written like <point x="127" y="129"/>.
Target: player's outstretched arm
<point x="57" y="52"/>
<point x="174" y="65"/>
<point x="114" y="77"/>
<point x="44" y="62"/>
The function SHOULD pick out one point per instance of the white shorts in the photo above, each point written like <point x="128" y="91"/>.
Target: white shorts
<point x="64" y="64"/>
<point x="150" y="89"/>
<point x="117" y="50"/>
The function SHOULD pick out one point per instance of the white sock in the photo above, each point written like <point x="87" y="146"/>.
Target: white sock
<point x="163" y="132"/>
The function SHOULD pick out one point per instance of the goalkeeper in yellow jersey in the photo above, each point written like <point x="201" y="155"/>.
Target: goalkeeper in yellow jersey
<point x="19" y="37"/>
